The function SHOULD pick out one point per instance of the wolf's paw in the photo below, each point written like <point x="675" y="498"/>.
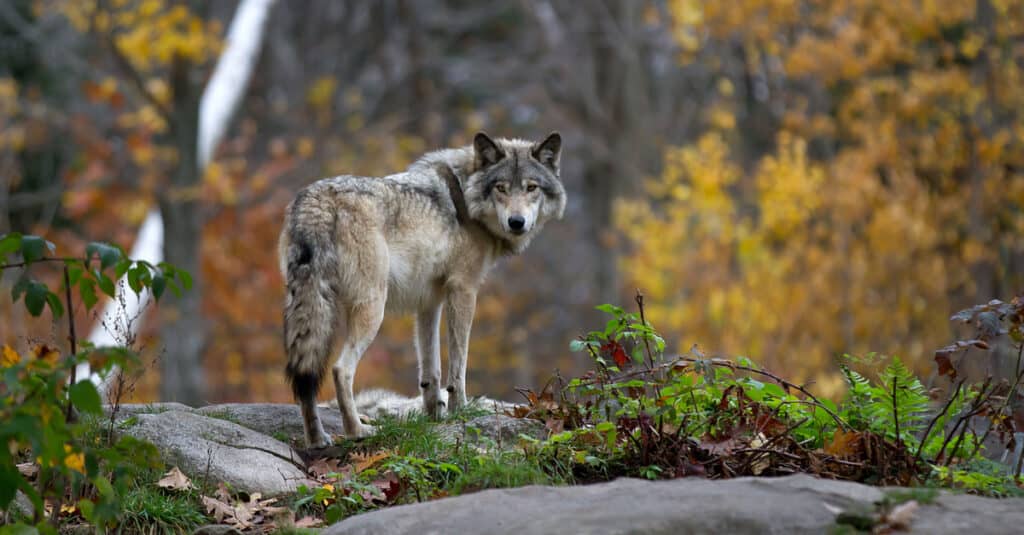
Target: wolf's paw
<point x="456" y="399"/>
<point x="362" y="430"/>
<point x="323" y="440"/>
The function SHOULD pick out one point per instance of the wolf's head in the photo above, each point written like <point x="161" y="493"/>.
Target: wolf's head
<point x="515" y="188"/>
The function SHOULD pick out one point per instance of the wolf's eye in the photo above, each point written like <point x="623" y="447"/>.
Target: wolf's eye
<point x="501" y="188"/>
<point x="531" y="187"/>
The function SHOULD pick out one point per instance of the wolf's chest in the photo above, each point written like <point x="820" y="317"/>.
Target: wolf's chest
<point x="415" y="277"/>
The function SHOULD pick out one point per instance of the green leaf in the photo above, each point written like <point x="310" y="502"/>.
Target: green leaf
<point x="610" y="309"/>
<point x="575" y="345"/>
<point x="87" y="290"/>
<point x="35" y="297"/>
<point x="32" y="247"/>
<point x="133" y="280"/>
<point x="56" y="307"/>
<point x="86" y="398"/>
<point x="159" y="284"/>
<point x="185" y="278"/>
<point x="122" y="267"/>
<point x="10" y="243"/>
<point x="19" y="529"/>
<point x="108" y="254"/>
<point x="75" y="271"/>
<point x="9" y="478"/>
<point x="106" y="285"/>
<point x="87" y="508"/>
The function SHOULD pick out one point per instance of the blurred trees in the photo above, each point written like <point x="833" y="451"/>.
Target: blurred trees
<point x="880" y="189"/>
<point x="797" y="178"/>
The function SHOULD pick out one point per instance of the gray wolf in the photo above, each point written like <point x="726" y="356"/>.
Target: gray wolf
<point x="353" y="247"/>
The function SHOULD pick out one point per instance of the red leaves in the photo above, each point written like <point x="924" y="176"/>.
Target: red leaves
<point x="618" y="353"/>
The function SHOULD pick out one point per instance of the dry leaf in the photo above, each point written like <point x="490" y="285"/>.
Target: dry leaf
<point x="843" y="444"/>
<point x="220" y="510"/>
<point x="902" y="515"/>
<point x="362" y="462"/>
<point x="174" y="480"/>
<point x="222" y="493"/>
<point x="323" y="466"/>
<point x="308" y="522"/>
<point x="29" y="470"/>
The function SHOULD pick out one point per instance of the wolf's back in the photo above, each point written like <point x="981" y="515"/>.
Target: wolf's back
<point x="309" y="258"/>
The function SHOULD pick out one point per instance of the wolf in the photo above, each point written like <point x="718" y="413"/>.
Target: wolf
<point x="354" y="247"/>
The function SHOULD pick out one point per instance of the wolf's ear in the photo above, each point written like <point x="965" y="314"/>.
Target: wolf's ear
<point x="487" y="151"/>
<point x="548" y="151"/>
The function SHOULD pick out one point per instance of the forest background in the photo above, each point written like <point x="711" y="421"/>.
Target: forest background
<point x="789" y="180"/>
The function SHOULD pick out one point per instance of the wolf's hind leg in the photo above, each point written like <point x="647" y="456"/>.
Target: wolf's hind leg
<point x="428" y="350"/>
<point x="316" y="437"/>
<point x="364" y="320"/>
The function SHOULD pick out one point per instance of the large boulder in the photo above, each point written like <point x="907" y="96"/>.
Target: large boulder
<point x="217" y="450"/>
<point x="279" y="420"/>
<point x="794" y="504"/>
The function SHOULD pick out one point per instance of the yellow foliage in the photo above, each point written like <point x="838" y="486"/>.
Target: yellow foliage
<point x="9" y="357"/>
<point x="74" y="461"/>
<point x="871" y="243"/>
<point x="150" y="33"/>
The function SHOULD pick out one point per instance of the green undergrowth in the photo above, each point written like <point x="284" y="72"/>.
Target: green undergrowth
<point x="408" y="460"/>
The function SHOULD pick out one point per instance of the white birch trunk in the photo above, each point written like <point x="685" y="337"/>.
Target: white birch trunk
<point x="219" y="102"/>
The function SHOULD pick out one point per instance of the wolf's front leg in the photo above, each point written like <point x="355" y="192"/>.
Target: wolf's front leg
<point x="428" y="350"/>
<point x="461" y="305"/>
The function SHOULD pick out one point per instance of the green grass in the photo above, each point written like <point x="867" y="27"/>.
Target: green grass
<point x="481" y="465"/>
<point x="150" y="510"/>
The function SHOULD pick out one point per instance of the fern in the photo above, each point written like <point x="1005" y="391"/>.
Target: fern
<point x="870" y="406"/>
<point x="899" y="388"/>
<point x="859" y="399"/>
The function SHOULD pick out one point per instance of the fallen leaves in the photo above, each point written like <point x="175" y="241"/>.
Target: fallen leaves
<point x="246" y="515"/>
<point x="175" y="480"/>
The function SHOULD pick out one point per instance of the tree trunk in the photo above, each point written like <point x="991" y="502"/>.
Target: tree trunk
<point x="181" y="325"/>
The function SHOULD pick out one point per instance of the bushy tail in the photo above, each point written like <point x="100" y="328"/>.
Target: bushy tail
<point x="310" y="309"/>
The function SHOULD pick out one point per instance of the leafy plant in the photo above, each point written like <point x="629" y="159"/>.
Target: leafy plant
<point x="57" y="453"/>
<point x="645" y="413"/>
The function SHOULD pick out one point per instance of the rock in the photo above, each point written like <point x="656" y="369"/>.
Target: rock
<point x="499" y="428"/>
<point x="282" y="421"/>
<point x="22" y="505"/>
<point x="380" y="402"/>
<point x="216" y="529"/>
<point x="793" y="504"/>
<point x="221" y="451"/>
<point x="131" y="409"/>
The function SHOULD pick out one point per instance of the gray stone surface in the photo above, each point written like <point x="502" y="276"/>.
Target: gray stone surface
<point x="131" y="409"/>
<point x="794" y="504"/>
<point x="274" y="419"/>
<point x="501" y="429"/>
<point x="219" y="450"/>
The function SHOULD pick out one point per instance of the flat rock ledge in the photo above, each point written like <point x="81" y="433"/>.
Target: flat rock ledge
<point x="214" y="450"/>
<point x="792" y="504"/>
<point x="255" y="447"/>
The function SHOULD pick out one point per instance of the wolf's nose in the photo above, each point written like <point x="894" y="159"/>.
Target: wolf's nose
<point x="516" y="222"/>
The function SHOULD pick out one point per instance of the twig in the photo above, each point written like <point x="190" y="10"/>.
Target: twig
<point x="931" y="424"/>
<point x="38" y="260"/>
<point x="647" y="343"/>
<point x="71" y="334"/>
<point x="895" y="409"/>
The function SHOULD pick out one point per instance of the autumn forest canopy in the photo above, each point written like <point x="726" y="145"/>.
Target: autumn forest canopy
<point x="784" y="180"/>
